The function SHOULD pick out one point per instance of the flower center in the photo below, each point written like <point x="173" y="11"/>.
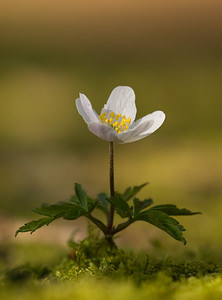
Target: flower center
<point x="118" y="122"/>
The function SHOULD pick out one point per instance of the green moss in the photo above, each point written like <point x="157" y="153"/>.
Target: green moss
<point x="203" y="288"/>
<point x="92" y="258"/>
<point x="138" y="268"/>
<point x="93" y="271"/>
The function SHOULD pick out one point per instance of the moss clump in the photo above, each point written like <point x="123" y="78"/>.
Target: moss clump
<point x="93" y="271"/>
<point x="93" y="258"/>
<point x="128" y="265"/>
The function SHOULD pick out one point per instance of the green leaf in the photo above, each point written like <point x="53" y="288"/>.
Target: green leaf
<point x="34" y="225"/>
<point x="103" y="203"/>
<point x="140" y="205"/>
<point x="77" y="206"/>
<point x="172" y="210"/>
<point x="73" y="213"/>
<point x="132" y="191"/>
<point x="122" y="208"/>
<point x="54" y="210"/>
<point x="74" y="199"/>
<point x="82" y="196"/>
<point x="164" y="222"/>
<point x="66" y="210"/>
<point x="92" y="203"/>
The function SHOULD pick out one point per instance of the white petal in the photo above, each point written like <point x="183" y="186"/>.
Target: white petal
<point x="133" y="132"/>
<point x="122" y="101"/>
<point x="104" y="132"/>
<point x="144" y="127"/>
<point x="85" y="109"/>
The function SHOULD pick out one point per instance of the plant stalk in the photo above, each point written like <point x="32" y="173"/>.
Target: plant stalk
<point x="122" y="226"/>
<point x="111" y="182"/>
<point x="98" y="223"/>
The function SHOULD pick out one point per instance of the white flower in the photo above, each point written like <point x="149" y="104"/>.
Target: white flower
<point x="116" y="120"/>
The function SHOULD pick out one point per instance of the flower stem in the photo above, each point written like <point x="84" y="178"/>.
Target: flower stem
<point x="111" y="182"/>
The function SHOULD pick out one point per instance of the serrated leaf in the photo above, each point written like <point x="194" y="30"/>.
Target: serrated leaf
<point x="66" y="210"/>
<point x="172" y="210"/>
<point x="132" y="191"/>
<point x="81" y="195"/>
<point x="121" y="206"/>
<point x="103" y="203"/>
<point x="78" y="205"/>
<point x="54" y="210"/>
<point x="91" y="204"/>
<point x="73" y="213"/>
<point x="140" y="205"/>
<point x="34" y="225"/>
<point x="74" y="199"/>
<point x="164" y="222"/>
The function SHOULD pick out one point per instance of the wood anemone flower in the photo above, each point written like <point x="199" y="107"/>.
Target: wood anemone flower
<point x="116" y="120"/>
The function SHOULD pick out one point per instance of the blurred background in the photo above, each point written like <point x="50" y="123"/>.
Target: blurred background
<point x="169" y="52"/>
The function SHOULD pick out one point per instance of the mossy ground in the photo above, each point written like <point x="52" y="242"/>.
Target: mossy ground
<point x="91" y="271"/>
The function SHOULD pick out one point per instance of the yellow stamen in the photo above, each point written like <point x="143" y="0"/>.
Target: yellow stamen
<point x="128" y="120"/>
<point x="118" y="116"/>
<point x="112" y="121"/>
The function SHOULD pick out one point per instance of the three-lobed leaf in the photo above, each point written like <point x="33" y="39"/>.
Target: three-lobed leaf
<point x="67" y="211"/>
<point x="164" y="222"/>
<point x="76" y="207"/>
<point x="54" y="210"/>
<point x="61" y="210"/>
